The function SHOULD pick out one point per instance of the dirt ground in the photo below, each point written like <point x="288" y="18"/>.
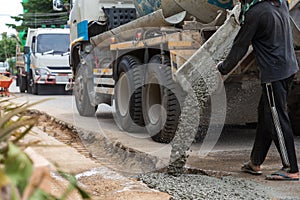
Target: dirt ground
<point x="116" y="190"/>
<point x="100" y="182"/>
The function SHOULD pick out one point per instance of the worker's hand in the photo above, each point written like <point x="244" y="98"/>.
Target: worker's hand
<point x="217" y="66"/>
<point x="218" y="71"/>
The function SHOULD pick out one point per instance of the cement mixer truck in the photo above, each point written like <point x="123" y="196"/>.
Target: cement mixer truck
<point x="134" y="56"/>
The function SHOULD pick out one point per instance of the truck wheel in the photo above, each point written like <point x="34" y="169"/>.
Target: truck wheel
<point x="29" y="82"/>
<point x="161" y="108"/>
<point x="36" y="88"/>
<point x="42" y="89"/>
<point x="21" y="81"/>
<point x="128" y="95"/>
<point x="82" y="100"/>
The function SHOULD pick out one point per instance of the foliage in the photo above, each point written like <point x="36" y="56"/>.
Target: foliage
<point x="8" y="47"/>
<point x="12" y="65"/>
<point x="16" y="168"/>
<point x="38" y="13"/>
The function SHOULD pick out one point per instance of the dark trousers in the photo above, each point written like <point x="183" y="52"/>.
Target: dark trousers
<point x="274" y="125"/>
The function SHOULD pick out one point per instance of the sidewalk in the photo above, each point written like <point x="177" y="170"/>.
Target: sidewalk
<point x="99" y="181"/>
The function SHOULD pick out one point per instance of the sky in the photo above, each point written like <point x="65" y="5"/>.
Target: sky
<point x="7" y="9"/>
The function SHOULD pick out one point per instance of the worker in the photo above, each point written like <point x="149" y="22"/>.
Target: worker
<point x="265" y="25"/>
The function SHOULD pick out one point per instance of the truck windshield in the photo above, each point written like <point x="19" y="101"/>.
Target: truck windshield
<point x="54" y="43"/>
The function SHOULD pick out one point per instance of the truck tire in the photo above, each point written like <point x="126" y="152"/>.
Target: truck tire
<point x="21" y="81"/>
<point x="29" y="82"/>
<point x="42" y="89"/>
<point x="35" y="88"/>
<point x="128" y="95"/>
<point x="82" y="100"/>
<point x="22" y="84"/>
<point x="159" y="91"/>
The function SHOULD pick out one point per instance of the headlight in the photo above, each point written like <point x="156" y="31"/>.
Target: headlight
<point x="42" y="71"/>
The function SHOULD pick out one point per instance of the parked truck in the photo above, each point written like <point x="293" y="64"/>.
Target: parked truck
<point x="44" y="67"/>
<point x="115" y="44"/>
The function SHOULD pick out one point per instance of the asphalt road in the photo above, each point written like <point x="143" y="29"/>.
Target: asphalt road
<point x="231" y="150"/>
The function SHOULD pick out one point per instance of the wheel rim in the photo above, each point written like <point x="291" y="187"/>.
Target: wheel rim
<point x="123" y="94"/>
<point x="153" y="101"/>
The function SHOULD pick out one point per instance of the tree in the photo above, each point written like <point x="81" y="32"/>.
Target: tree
<point x="8" y="47"/>
<point x="39" y="13"/>
<point x="8" y="50"/>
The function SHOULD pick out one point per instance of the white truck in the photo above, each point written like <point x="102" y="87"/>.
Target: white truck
<point x="113" y="46"/>
<point x="45" y="68"/>
<point x="3" y="67"/>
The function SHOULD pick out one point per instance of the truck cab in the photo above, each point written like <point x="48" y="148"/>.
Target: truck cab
<point x="3" y="68"/>
<point x="46" y="58"/>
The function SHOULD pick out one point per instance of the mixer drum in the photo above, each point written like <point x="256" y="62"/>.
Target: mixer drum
<point x="204" y="10"/>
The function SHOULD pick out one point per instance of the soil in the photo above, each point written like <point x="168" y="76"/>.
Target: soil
<point x="101" y="182"/>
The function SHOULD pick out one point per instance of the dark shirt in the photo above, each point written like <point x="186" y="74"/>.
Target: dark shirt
<point x="267" y="28"/>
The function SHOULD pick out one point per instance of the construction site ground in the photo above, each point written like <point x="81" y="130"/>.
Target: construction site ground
<point x="63" y="150"/>
<point x="58" y="150"/>
<point x="100" y="174"/>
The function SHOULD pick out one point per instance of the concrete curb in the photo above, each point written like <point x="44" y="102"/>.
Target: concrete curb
<point x="97" y="145"/>
<point x="51" y="153"/>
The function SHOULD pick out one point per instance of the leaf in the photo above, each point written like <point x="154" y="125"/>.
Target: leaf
<point x="7" y="190"/>
<point x="83" y="193"/>
<point x="9" y="126"/>
<point x="41" y="195"/>
<point x="18" y="167"/>
<point x="4" y="180"/>
<point x="7" y="131"/>
<point x="8" y="116"/>
<point x="73" y="184"/>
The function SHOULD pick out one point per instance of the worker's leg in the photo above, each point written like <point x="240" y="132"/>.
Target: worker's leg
<point x="263" y="137"/>
<point x="283" y="135"/>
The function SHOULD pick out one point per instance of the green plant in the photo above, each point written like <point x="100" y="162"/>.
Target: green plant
<point x="16" y="167"/>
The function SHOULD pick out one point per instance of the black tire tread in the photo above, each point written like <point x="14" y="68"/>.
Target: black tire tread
<point x="135" y="105"/>
<point x="84" y="108"/>
<point x="168" y="131"/>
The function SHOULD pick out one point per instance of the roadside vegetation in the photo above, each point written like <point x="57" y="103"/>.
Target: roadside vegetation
<point x="16" y="167"/>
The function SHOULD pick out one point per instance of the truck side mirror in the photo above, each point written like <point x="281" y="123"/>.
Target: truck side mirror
<point x="26" y="49"/>
<point x="33" y="44"/>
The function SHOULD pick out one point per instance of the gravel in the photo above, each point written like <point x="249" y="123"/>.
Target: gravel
<point x="194" y="186"/>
